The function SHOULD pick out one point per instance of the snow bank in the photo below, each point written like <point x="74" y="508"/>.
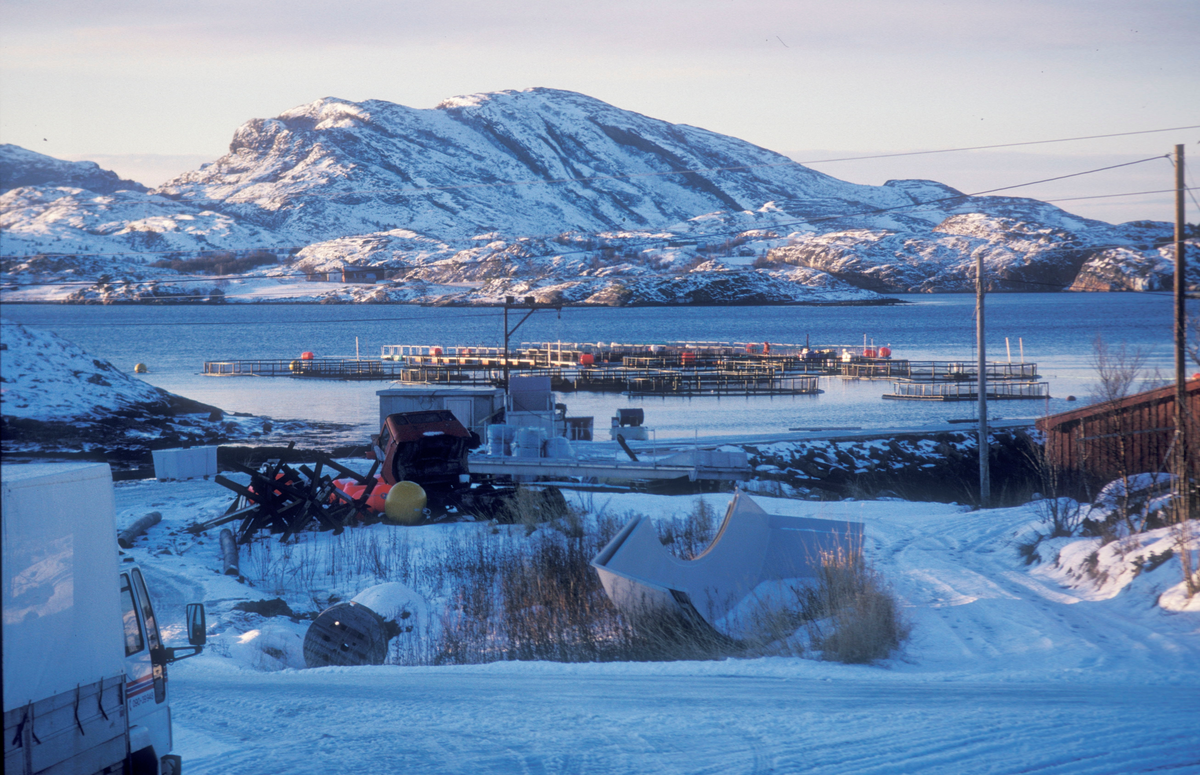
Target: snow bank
<point x="46" y="377"/>
<point x="54" y="396"/>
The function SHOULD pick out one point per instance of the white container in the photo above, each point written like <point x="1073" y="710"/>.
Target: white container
<point x="558" y="447"/>
<point x="528" y="442"/>
<point x="187" y="463"/>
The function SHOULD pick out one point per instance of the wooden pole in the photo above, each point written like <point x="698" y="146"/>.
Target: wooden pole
<point x="1181" y="424"/>
<point x="985" y="484"/>
<point x="229" y="554"/>
<point x="507" y="300"/>
<point x="126" y="537"/>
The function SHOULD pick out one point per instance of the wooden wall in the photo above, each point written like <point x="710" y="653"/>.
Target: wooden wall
<point x="1135" y="434"/>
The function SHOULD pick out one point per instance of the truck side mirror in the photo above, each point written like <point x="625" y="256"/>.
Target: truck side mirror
<point x="197" y="628"/>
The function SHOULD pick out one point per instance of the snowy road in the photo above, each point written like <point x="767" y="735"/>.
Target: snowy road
<point x="728" y="717"/>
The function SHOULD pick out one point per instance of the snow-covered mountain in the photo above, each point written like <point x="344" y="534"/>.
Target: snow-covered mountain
<point x="554" y="190"/>
<point x="530" y="163"/>
<point x="20" y="167"/>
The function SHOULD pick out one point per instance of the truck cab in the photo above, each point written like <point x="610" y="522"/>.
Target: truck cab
<point x="146" y="660"/>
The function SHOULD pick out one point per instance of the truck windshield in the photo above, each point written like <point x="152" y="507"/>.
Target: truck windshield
<point x="147" y="610"/>
<point x="133" y="631"/>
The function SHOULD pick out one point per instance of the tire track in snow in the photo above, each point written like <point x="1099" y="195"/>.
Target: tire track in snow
<point x="520" y="720"/>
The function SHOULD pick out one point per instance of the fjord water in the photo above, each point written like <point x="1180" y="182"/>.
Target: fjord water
<point x="1056" y="330"/>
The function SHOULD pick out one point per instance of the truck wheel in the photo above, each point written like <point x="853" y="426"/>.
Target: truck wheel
<point x="142" y="762"/>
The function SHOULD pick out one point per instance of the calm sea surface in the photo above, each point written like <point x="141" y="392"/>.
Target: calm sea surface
<point x="1055" y="330"/>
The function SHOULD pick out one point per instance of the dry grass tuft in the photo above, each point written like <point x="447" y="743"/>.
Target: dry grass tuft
<point x="852" y="614"/>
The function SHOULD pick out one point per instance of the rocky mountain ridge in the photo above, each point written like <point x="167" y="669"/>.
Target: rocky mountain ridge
<point x="539" y="192"/>
<point x="20" y="168"/>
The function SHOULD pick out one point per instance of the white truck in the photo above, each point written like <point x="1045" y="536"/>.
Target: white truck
<point x="85" y="669"/>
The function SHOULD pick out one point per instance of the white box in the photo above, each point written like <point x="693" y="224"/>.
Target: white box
<point x="187" y="463"/>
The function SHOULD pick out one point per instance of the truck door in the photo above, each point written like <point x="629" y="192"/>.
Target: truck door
<point x="146" y="682"/>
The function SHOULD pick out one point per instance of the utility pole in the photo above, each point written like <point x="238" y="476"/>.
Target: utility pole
<point x="530" y="304"/>
<point x="985" y="483"/>
<point x="1181" y="413"/>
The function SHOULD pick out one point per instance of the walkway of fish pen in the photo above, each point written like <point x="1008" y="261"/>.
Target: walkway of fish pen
<point x="316" y="368"/>
<point x="676" y="368"/>
<point x="1002" y="390"/>
<point x="721" y="383"/>
<point x="935" y="371"/>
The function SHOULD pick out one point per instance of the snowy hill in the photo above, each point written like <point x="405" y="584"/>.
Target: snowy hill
<point x="56" y="398"/>
<point x="532" y="163"/>
<point x="20" y="167"/>
<point x="543" y="187"/>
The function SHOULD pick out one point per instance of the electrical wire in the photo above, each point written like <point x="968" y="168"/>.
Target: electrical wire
<point x="1191" y="188"/>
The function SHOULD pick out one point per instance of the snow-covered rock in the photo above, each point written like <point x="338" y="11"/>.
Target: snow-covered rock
<point x="55" y="397"/>
<point x="20" y="167"/>
<point x="46" y="377"/>
<point x="547" y="187"/>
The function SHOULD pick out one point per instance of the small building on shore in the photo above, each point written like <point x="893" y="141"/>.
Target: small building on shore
<point x="1132" y="435"/>
<point x="474" y="407"/>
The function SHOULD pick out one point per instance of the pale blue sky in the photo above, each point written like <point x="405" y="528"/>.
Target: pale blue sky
<point x="151" y="88"/>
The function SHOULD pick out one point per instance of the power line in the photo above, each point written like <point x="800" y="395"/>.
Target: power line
<point x="1108" y="196"/>
<point x="1004" y="145"/>
<point x="1188" y="171"/>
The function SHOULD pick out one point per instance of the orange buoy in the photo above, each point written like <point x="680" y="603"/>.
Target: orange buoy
<point x="587" y="359"/>
<point x="351" y="488"/>
<point x="687" y="358"/>
<point x="306" y="356"/>
<point x="378" y="497"/>
<point x="436" y="351"/>
<point x="885" y="352"/>
<point x="868" y="353"/>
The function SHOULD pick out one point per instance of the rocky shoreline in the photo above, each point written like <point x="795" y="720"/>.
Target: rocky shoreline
<point x="943" y="468"/>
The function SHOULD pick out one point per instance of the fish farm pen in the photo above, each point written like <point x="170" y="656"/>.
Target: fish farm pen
<point x="320" y="368"/>
<point x="675" y="368"/>
<point x="1001" y="390"/>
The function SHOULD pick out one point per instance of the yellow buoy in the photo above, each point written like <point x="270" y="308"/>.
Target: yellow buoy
<point x="405" y="503"/>
<point x="140" y="369"/>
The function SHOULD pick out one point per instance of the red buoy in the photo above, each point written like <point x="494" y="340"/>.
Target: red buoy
<point x="885" y="352"/>
<point x="687" y="358"/>
<point x="868" y="353"/>
<point x="306" y="356"/>
<point x="437" y="351"/>
<point x="587" y="359"/>
<point x="378" y="496"/>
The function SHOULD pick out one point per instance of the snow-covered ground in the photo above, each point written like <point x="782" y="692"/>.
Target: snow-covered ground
<point x="1010" y="668"/>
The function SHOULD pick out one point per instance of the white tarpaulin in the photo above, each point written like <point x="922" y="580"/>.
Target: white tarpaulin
<point x="752" y="556"/>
